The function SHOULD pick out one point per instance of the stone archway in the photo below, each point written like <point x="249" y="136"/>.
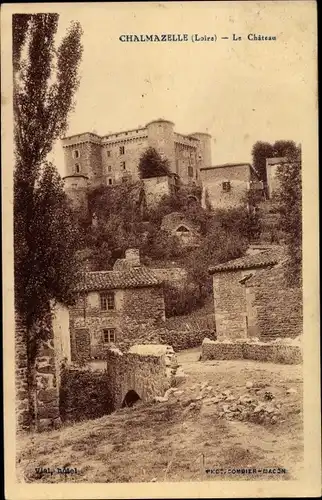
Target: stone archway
<point x="130" y="398"/>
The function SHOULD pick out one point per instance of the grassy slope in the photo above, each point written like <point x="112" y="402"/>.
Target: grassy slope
<point x="168" y="442"/>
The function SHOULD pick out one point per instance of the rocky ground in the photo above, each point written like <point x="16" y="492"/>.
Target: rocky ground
<point x="224" y="414"/>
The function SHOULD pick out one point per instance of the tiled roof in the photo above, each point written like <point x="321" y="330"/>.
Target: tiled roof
<point x="262" y="259"/>
<point x="109" y="280"/>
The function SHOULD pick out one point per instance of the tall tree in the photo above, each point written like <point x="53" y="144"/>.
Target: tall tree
<point x="289" y="204"/>
<point x="260" y="152"/>
<point x="153" y="165"/>
<point x="263" y="150"/>
<point x="45" y="78"/>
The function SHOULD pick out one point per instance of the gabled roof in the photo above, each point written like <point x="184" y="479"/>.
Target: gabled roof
<point x="136" y="277"/>
<point x="230" y="165"/>
<point x="262" y="259"/>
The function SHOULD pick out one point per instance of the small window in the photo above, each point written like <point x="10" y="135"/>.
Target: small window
<point x="109" y="168"/>
<point x="107" y="301"/>
<point x="108" y="153"/>
<point x="110" y="181"/>
<point x="122" y="150"/>
<point x="109" y="336"/>
<point x="190" y="171"/>
<point x="226" y="186"/>
<point x="76" y="153"/>
<point x="74" y="185"/>
<point x="77" y="169"/>
<point x="123" y="165"/>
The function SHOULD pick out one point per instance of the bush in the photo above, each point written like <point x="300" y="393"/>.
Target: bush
<point x="84" y="395"/>
<point x="181" y="301"/>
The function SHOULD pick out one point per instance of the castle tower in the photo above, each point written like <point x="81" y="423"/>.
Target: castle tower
<point x="204" y="149"/>
<point x="161" y="137"/>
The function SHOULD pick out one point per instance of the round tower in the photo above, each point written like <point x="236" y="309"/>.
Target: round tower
<point x="161" y="138"/>
<point x="204" y="149"/>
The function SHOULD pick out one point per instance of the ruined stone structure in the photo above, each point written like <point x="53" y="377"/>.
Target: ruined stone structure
<point x="144" y="372"/>
<point x="228" y="184"/>
<point x="178" y="225"/>
<point x="119" y="307"/>
<point x="272" y="165"/>
<point x="243" y="310"/>
<point x="92" y="160"/>
<point x="46" y="380"/>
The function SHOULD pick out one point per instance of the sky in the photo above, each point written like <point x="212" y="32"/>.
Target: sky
<point x="239" y="92"/>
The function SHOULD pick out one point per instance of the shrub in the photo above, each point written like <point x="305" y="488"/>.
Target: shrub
<point x="84" y="394"/>
<point x="181" y="301"/>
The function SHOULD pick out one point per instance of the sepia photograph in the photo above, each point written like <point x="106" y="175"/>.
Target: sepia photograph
<point x="161" y="256"/>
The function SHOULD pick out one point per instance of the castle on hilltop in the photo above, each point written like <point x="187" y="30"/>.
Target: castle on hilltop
<point x="92" y="160"/>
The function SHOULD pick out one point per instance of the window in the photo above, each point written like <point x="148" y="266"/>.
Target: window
<point x="110" y="181"/>
<point x="109" y="335"/>
<point x="109" y="168"/>
<point x="107" y="301"/>
<point x="74" y="185"/>
<point x="190" y="171"/>
<point x="123" y="165"/>
<point x="108" y="153"/>
<point x="76" y="153"/>
<point x="226" y="186"/>
<point x="122" y="150"/>
<point x="77" y="168"/>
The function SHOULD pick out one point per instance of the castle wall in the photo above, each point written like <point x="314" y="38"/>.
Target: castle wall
<point x="155" y="188"/>
<point x="113" y="160"/>
<point x="161" y="137"/>
<point x="187" y="161"/>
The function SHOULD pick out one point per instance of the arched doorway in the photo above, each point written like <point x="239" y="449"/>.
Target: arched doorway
<point x="130" y="399"/>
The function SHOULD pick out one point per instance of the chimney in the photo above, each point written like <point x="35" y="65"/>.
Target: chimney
<point x="132" y="257"/>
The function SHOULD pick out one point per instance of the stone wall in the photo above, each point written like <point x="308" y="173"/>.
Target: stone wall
<point x="185" y="339"/>
<point x="21" y="375"/>
<point x="274" y="352"/>
<point x="155" y="188"/>
<point x="230" y="304"/>
<point x="42" y="385"/>
<point x="274" y="307"/>
<point x="148" y="370"/>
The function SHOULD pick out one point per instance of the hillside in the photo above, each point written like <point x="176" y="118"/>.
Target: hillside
<point x="176" y="440"/>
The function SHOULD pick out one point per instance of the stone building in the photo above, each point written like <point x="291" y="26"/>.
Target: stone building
<point x="93" y="160"/>
<point x="228" y="184"/>
<point x="185" y="230"/>
<point x="116" y="308"/>
<point x="272" y="165"/>
<point x="236" y="296"/>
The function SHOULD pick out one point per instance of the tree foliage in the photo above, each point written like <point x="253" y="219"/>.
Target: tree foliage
<point x="151" y="164"/>
<point x="45" y="80"/>
<point x="263" y="150"/>
<point x="289" y="205"/>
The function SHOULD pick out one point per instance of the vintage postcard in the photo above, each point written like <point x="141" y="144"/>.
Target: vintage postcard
<point x="160" y="250"/>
